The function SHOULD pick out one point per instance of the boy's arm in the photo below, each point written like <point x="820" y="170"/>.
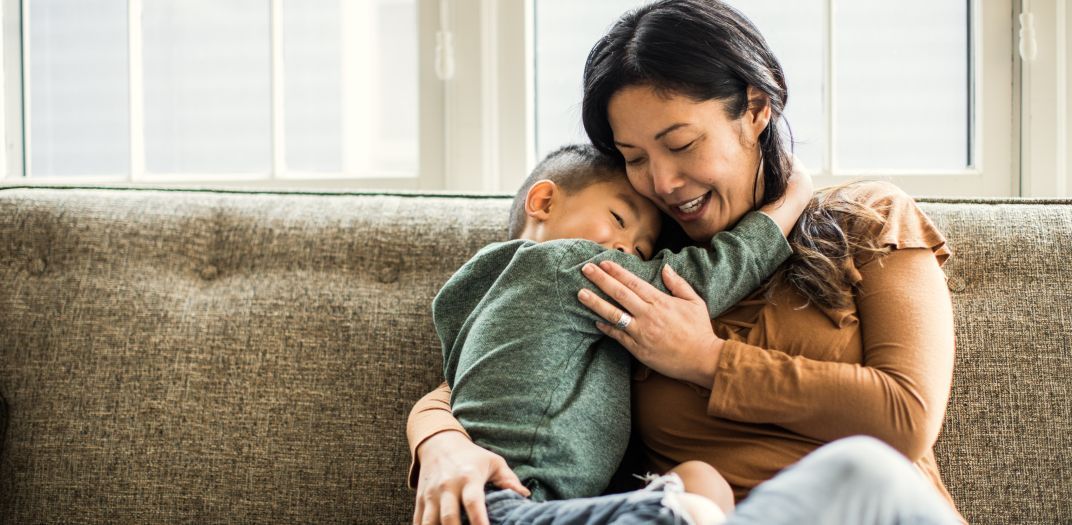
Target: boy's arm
<point x="786" y="211"/>
<point x="736" y="262"/>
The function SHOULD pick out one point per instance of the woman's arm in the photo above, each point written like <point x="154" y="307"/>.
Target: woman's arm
<point x="898" y="394"/>
<point x="448" y="470"/>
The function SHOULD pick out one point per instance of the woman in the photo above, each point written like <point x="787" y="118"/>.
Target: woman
<point x="854" y="336"/>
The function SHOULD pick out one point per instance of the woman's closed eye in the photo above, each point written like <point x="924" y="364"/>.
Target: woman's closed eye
<point x="682" y="148"/>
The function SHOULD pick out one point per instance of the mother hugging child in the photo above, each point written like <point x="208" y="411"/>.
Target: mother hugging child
<point x="736" y="394"/>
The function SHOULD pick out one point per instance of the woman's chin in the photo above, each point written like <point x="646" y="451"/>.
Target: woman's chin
<point x="700" y="233"/>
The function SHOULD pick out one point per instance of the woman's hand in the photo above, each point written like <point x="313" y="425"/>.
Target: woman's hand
<point x="671" y="334"/>
<point x="455" y="469"/>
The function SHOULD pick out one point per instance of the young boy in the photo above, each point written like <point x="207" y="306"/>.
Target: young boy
<point x="526" y="378"/>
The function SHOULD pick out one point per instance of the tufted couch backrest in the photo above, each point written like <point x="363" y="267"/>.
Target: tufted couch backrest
<point x="205" y="356"/>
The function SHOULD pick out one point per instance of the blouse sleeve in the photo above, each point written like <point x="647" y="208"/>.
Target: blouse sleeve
<point x="899" y="391"/>
<point x="430" y="416"/>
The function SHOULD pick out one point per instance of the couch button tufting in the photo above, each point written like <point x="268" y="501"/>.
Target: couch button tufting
<point x="37" y="266"/>
<point x="956" y="284"/>
<point x="209" y="272"/>
<point x="388" y="274"/>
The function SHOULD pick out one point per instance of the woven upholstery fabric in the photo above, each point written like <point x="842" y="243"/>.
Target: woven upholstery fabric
<point x="174" y="356"/>
<point x="1005" y="452"/>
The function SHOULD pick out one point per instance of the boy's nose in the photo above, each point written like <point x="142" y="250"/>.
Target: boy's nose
<point x="624" y="247"/>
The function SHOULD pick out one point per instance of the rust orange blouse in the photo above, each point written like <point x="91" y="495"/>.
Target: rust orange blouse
<point x="793" y="376"/>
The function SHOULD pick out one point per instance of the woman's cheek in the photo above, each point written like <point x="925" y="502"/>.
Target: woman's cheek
<point x="641" y="182"/>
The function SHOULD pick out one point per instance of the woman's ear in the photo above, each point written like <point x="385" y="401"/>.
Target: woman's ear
<point x="758" y="115"/>
<point x="539" y="199"/>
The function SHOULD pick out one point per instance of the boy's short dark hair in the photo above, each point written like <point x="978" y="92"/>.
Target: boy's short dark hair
<point x="572" y="167"/>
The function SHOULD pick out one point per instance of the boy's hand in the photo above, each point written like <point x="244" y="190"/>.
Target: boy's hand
<point x="453" y="473"/>
<point x="786" y="211"/>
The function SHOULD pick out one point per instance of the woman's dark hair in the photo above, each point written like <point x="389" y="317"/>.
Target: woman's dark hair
<point x="701" y="49"/>
<point x="707" y="50"/>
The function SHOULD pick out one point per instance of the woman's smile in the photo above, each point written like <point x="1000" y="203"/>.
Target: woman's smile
<point x="692" y="209"/>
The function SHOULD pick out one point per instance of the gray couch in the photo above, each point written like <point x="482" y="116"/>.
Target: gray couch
<point x="200" y="356"/>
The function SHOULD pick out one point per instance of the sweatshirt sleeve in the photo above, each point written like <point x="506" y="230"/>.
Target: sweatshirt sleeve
<point x="735" y="263"/>
<point x="898" y="393"/>
<point x="430" y="416"/>
<point x="738" y="261"/>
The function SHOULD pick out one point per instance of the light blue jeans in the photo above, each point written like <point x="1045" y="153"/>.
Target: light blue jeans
<point x="852" y="481"/>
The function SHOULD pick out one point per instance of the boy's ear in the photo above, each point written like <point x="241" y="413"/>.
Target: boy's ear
<point x="538" y="201"/>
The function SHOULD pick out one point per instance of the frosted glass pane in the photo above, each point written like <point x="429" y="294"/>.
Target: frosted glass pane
<point x="313" y="90"/>
<point x="902" y="84"/>
<point x="207" y="86"/>
<point x="396" y="77"/>
<point x="794" y="32"/>
<point x="567" y="30"/>
<point x="79" y="110"/>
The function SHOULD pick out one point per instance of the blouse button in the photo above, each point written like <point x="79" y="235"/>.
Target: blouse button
<point x="37" y="266"/>
<point x="209" y="272"/>
<point x="388" y="274"/>
<point x="956" y="284"/>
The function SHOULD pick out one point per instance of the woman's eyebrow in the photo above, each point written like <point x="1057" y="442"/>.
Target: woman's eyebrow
<point x="668" y="129"/>
<point x="658" y="135"/>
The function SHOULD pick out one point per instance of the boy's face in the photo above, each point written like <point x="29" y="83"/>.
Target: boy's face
<point x="609" y="213"/>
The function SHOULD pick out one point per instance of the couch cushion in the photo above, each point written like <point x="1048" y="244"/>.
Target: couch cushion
<point x="219" y="357"/>
<point x="212" y="356"/>
<point x="1005" y="452"/>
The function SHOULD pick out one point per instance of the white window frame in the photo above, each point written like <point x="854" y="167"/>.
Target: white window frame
<point x="1043" y="63"/>
<point x="994" y="170"/>
<point x="477" y="127"/>
<point x="14" y="15"/>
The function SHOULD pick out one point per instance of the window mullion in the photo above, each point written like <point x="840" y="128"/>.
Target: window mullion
<point x="137" y="90"/>
<point x="12" y="143"/>
<point x="278" y="114"/>
<point x="830" y="162"/>
<point x="26" y="142"/>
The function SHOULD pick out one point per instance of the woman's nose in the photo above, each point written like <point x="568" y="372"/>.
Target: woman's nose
<point x="664" y="177"/>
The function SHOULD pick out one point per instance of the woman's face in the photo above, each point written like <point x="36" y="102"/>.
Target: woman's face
<point x="693" y="161"/>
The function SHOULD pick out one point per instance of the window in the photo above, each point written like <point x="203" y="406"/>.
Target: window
<point x="219" y="90"/>
<point x="876" y="89"/>
<point x="931" y="95"/>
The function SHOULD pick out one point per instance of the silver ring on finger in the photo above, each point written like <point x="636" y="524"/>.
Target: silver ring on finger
<point x="623" y="321"/>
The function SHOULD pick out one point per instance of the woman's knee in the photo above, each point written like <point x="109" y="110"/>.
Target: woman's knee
<point x="863" y="460"/>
